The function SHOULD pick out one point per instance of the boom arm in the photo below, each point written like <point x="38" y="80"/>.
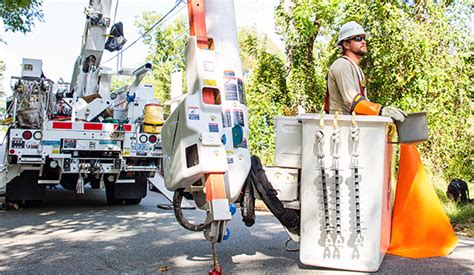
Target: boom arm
<point x="84" y="80"/>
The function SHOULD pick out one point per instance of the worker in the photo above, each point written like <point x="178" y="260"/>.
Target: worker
<point x="346" y="83"/>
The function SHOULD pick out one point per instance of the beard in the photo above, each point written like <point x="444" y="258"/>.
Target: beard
<point x="361" y="51"/>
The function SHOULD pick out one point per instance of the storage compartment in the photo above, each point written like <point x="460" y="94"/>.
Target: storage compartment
<point x="284" y="181"/>
<point x="288" y="142"/>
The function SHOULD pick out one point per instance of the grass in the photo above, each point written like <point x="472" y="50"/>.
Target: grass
<point x="460" y="215"/>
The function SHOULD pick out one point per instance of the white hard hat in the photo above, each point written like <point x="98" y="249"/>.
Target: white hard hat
<point x="348" y="30"/>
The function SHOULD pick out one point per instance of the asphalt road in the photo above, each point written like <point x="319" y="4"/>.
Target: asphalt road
<point x="81" y="234"/>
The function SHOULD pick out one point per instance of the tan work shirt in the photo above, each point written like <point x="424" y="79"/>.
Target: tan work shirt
<point x="345" y="81"/>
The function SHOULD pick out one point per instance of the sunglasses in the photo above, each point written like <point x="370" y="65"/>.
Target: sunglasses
<point x="358" y="38"/>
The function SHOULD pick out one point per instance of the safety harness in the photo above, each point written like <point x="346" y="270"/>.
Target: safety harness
<point x="360" y="104"/>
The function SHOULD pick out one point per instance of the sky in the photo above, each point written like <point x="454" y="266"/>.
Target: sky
<point x="57" y="40"/>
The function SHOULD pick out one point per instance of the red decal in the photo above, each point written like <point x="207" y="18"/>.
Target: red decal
<point x="92" y="126"/>
<point x="62" y="125"/>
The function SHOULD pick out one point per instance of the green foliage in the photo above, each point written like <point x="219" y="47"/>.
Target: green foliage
<point x="20" y="15"/>
<point x="250" y="42"/>
<point x="166" y="50"/>
<point x="418" y="61"/>
<point x="266" y="95"/>
<point x="2" y="89"/>
<point x="299" y="23"/>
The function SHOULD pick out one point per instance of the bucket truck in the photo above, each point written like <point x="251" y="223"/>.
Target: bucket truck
<point x="331" y="188"/>
<point x="82" y="132"/>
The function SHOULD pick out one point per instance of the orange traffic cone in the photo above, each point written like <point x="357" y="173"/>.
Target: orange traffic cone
<point x="420" y="228"/>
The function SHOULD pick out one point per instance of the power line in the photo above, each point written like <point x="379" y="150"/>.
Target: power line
<point x="146" y="32"/>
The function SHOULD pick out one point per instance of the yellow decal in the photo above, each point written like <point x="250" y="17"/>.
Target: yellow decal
<point x="209" y="82"/>
<point x="55" y="152"/>
<point x="126" y="153"/>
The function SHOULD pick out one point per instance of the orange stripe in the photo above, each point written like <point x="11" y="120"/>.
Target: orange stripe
<point x="197" y="18"/>
<point x="215" y="188"/>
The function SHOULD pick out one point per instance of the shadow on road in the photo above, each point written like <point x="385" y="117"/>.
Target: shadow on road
<point x="75" y="233"/>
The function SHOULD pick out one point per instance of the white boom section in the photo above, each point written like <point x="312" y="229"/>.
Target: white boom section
<point x="199" y="137"/>
<point x="222" y="27"/>
<point x="84" y="80"/>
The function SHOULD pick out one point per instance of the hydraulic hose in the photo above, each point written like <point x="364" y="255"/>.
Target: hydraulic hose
<point x="178" y="213"/>
<point x="288" y="217"/>
<point x="247" y="204"/>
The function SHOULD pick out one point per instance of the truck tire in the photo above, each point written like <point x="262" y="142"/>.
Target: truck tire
<point x="24" y="190"/>
<point x="132" y="201"/>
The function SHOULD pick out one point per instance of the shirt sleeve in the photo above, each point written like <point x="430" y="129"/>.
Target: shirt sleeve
<point x="346" y="83"/>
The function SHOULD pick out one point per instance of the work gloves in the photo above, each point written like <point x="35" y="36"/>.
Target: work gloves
<point x="394" y="113"/>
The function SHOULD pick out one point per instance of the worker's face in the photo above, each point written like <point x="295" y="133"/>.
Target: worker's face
<point x="356" y="45"/>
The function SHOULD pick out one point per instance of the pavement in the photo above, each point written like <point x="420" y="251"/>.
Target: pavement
<point x="81" y="234"/>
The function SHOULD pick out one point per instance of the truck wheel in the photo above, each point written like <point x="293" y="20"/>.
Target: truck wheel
<point x="24" y="190"/>
<point x="133" y="201"/>
<point x="33" y="203"/>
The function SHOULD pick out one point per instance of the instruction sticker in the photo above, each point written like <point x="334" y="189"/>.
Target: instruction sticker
<point x="238" y="117"/>
<point x="231" y="91"/>
<point x="226" y="118"/>
<point x="244" y="143"/>
<point x="193" y="113"/>
<point x="240" y="87"/>
<point x="51" y="142"/>
<point x="229" y="73"/>
<point x="69" y="143"/>
<point x="213" y="127"/>
<point x="108" y="142"/>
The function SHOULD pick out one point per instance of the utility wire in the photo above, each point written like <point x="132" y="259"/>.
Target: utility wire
<point x="146" y="32"/>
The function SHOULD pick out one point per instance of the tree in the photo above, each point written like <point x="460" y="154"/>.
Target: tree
<point x="166" y="50"/>
<point x="417" y="60"/>
<point x="420" y="58"/>
<point x="20" y="15"/>
<point x="299" y="23"/>
<point x="2" y="89"/>
<point x="266" y="91"/>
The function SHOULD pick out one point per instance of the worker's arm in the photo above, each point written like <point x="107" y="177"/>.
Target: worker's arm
<point x="362" y="106"/>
